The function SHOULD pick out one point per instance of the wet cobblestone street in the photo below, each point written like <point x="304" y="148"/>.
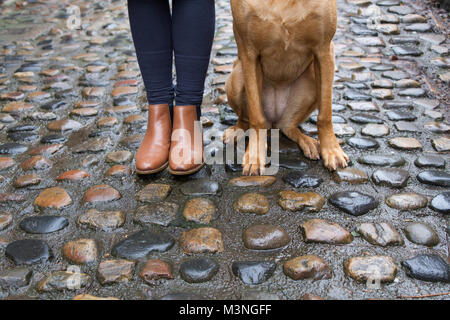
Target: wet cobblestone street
<point x="76" y="221"/>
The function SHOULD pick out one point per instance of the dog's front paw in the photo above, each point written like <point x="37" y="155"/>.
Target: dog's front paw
<point x="333" y="157"/>
<point x="232" y="135"/>
<point x="254" y="162"/>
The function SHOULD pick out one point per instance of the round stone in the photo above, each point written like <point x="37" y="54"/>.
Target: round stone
<point x="265" y="237"/>
<point x="363" y="143"/>
<point x="101" y="193"/>
<point x="430" y="161"/>
<point x="407" y="201"/>
<point x="252" y="203"/>
<point x="201" y="240"/>
<point x="375" y="130"/>
<point x="391" y="177"/>
<point x="382" y="161"/>
<point x="301" y="179"/>
<point x="142" y="243"/>
<point x="6" y="163"/>
<point x="53" y="138"/>
<point x="198" y="270"/>
<point x="427" y="267"/>
<point x="294" y="201"/>
<point x="421" y="233"/>
<point x="307" y="267"/>
<point x="54" y="197"/>
<point x="381" y="234"/>
<point x="82" y="251"/>
<point x="36" y="163"/>
<point x="73" y="175"/>
<point x="253" y="272"/>
<point x="252" y="181"/>
<point x="43" y="224"/>
<point x="119" y="156"/>
<point x="405" y="143"/>
<point x="63" y="280"/>
<point x="435" y="178"/>
<point x="371" y="268"/>
<point x="64" y="125"/>
<point x="154" y="192"/>
<point x="107" y="220"/>
<point x="353" y="202"/>
<point x="200" y="187"/>
<point x="441" y="203"/>
<point x="114" y="271"/>
<point x="199" y="210"/>
<point x="118" y="171"/>
<point x="28" y="251"/>
<point x="27" y="180"/>
<point x="350" y="175"/>
<point x="15" y="278"/>
<point x="5" y="221"/>
<point x="323" y="231"/>
<point x="160" y="213"/>
<point x="441" y="144"/>
<point x="155" y="269"/>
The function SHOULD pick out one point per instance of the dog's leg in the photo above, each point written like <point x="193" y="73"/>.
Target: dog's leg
<point x="301" y="102"/>
<point x="235" y="90"/>
<point x="255" y="156"/>
<point x="330" y="150"/>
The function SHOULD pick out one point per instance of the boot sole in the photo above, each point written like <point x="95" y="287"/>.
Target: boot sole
<point x="153" y="170"/>
<point x="188" y="172"/>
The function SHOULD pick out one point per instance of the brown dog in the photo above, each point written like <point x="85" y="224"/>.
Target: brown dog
<point x="284" y="71"/>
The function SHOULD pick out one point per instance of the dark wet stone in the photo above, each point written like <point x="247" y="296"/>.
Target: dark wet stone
<point x="265" y="237"/>
<point x="200" y="187"/>
<point x="28" y="251"/>
<point x="382" y="161"/>
<point x="22" y="128"/>
<point x="353" y="202"/>
<point x="252" y="203"/>
<point x="400" y="116"/>
<point x="356" y="96"/>
<point x="156" y="269"/>
<point x="115" y="271"/>
<point x="441" y="203"/>
<point x="407" y="51"/>
<point x="12" y="148"/>
<point x="252" y="181"/>
<point x="435" y="177"/>
<point x="141" y="243"/>
<point x="43" y="224"/>
<point x="427" y="267"/>
<point x="253" y="272"/>
<point x="381" y="234"/>
<point x="291" y="163"/>
<point x="365" y="118"/>
<point x="15" y="278"/>
<point x="393" y="105"/>
<point x="198" y="270"/>
<point x="54" y="105"/>
<point x="23" y="136"/>
<point x="160" y="213"/>
<point x="301" y="179"/>
<point x="391" y="177"/>
<point x="53" y="138"/>
<point x="294" y="201"/>
<point x="363" y="143"/>
<point x="154" y="192"/>
<point x="421" y="233"/>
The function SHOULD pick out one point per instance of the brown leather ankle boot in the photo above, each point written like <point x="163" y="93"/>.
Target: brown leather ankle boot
<point x="186" y="147"/>
<point x="153" y="153"/>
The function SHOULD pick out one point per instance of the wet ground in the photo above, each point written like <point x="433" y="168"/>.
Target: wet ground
<point x="391" y="82"/>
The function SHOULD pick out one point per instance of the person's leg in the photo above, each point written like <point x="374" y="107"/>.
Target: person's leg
<point x="193" y="23"/>
<point x="151" y="28"/>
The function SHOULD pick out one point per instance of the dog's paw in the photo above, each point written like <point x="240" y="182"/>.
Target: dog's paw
<point x="333" y="157"/>
<point x="254" y="162"/>
<point x="233" y="134"/>
<point x="310" y="147"/>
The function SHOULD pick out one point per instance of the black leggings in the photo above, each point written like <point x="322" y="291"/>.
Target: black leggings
<point x="188" y="32"/>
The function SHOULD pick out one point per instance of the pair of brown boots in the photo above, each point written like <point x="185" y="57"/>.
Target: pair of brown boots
<point x="179" y="146"/>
